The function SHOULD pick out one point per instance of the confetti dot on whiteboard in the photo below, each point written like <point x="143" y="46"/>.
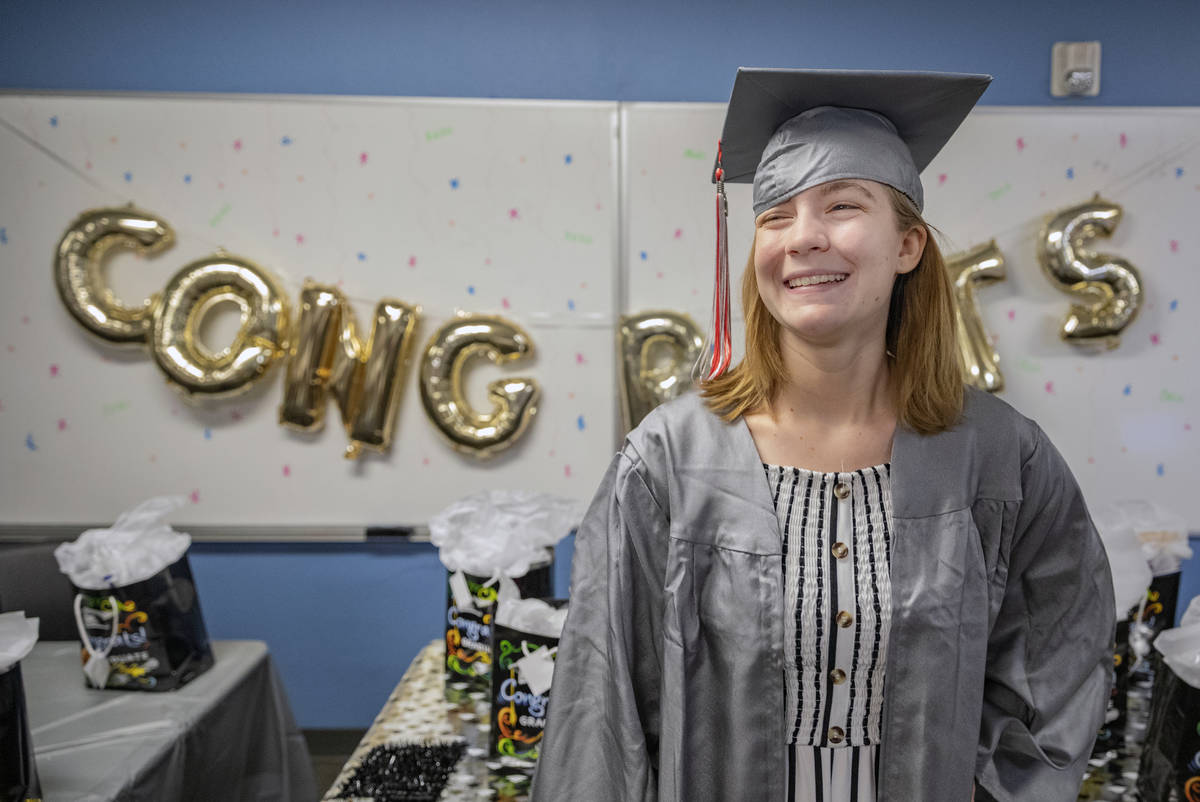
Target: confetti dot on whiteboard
<point x="220" y="185"/>
<point x="54" y="370"/>
<point x="579" y="423"/>
<point x="599" y="207"/>
<point x="287" y="140"/>
<point x="12" y="348"/>
<point x="88" y="164"/>
<point x="571" y="396"/>
<point x="275" y="232"/>
<point x="207" y="433"/>
<point x="1159" y="469"/>
<point x="1124" y="140"/>
<point x="1020" y="144"/>
<point x="237" y="144"/>
<point x="1174" y="305"/>
<point x="245" y="171"/>
<point x="1154" y="339"/>
<point x="567" y="159"/>
<point x="128" y="176"/>
<point x="579" y="360"/>
<point x="1012" y="314"/>
<point x="412" y="261"/>
<point x="470" y="290"/>
<point x="25" y="319"/>
<point x="424" y="460"/>
<point x="195" y="496"/>
<point x="942" y="178"/>
<point x="62" y="424"/>
<point x="3" y="236"/>
<point x="154" y="458"/>
<point x="513" y="214"/>
<point x="32" y="446"/>
<point x="1174" y="246"/>
<point x="187" y="179"/>
<point x="235" y="415"/>
<point x="678" y="233"/>
<point x="300" y="178"/>
<point x="54" y="122"/>
<point x="643" y="256"/>
<point x="487" y="260"/>
<point x="1128" y="389"/>
<point x="1091" y="460"/>
<point x="551" y="454"/>
<point x="659" y="274"/>
<point x="504" y="302"/>
<point x="583" y="285"/>
<point x="570" y="305"/>
<point x="567" y="471"/>
<point x="362" y="158"/>
<point x="1187" y="427"/>
<point x="287" y="470"/>
<point x="1070" y="172"/>
<point x="362" y="257"/>
<point x="1050" y="387"/>
<point x="299" y="239"/>
<point x="1179" y="172"/>
<point x="453" y="183"/>
<point x="370" y="196"/>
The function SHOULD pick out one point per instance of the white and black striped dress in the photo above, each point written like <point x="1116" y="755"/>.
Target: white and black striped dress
<point x="836" y="531"/>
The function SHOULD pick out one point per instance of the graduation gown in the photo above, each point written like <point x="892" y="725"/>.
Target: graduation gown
<point x="669" y="676"/>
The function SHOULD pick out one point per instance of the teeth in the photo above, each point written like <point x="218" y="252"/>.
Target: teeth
<point x="807" y="281"/>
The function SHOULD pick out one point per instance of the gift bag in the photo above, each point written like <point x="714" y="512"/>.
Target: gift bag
<point x="1170" y="761"/>
<point x="147" y="636"/>
<point x="136" y="607"/>
<point x="18" y="773"/>
<point x="524" y="665"/>
<point x="469" y="620"/>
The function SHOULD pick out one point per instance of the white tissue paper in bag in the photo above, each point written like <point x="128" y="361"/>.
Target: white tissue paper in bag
<point x="1130" y="570"/>
<point x="533" y="616"/>
<point x="139" y="545"/>
<point x="17" y="636"/>
<point x="501" y="532"/>
<point x="1180" y="647"/>
<point x="1163" y="535"/>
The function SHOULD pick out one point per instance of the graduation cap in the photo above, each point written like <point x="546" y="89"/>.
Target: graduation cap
<point x="787" y="130"/>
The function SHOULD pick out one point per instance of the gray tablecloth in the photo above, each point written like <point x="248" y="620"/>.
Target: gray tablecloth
<point x="227" y="735"/>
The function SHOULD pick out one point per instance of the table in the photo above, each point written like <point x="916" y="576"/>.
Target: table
<point x="417" y="711"/>
<point x="229" y="734"/>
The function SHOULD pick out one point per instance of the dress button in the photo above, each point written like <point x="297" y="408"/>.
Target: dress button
<point x="836" y="735"/>
<point x="840" y="551"/>
<point x="841" y="490"/>
<point x="844" y="619"/>
<point x="838" y="676"/>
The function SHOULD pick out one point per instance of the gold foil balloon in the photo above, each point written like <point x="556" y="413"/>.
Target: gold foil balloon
<point x="78" y="271"/>
<point x="656" y="351"/>
<point x="1109" y="288"/>
<point x="189" y="296"/>
<point x="514" y="399"/>
<point x="978" y="267"/>
<point x="365" y="379"/>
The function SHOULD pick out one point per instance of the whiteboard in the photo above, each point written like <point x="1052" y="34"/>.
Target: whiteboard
<point x="500" y="207"/>
<point x="1126" y="419"/>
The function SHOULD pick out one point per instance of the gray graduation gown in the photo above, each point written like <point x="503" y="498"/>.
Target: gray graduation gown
<point x="669" y="676"/>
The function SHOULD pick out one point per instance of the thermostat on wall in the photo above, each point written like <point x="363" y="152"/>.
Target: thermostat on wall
<point x="1075" y="69"/>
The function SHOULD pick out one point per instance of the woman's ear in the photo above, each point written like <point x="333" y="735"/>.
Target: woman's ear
<point x="912" y="247"/>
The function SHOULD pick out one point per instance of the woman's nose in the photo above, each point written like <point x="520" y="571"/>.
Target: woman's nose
<point x="807" y="233"/>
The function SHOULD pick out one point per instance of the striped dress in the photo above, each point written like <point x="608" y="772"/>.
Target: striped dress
<point x="836" y="553"/>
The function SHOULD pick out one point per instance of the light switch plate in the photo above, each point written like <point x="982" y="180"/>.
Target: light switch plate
<point x="1075" y="69"/>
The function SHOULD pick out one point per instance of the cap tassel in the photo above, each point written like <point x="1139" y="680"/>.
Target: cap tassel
<point x="718" y="348"/>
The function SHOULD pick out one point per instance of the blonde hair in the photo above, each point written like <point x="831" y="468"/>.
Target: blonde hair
<point x="921" y="343"/>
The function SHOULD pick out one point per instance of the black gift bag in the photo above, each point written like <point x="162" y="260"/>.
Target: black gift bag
<point x="518" y="712"/>
<point x="157" y="641"/>
<point x="1170" y="760"/>
<point x="469" y="632"/>
<point x="18" y="773"/>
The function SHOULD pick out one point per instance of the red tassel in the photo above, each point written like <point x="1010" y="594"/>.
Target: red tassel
<point x="718" y="349"/>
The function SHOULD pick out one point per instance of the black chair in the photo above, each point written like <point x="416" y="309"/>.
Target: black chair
<point x="30" y="581"/>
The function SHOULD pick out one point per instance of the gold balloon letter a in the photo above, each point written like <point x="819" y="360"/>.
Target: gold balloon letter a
<point x="1109" y="287"/>
<point x="656" y="351"/>
<point x="980" y="266"/>
<point x="365" y="379"/>
<point x="514" y="399"/>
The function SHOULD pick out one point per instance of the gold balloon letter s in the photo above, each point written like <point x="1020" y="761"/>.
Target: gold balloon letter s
<point x="980" y="266"/>
<point x="514" y="399"/>
<point x="78" y="271"/>
<point x="366" y="379"/>
<point x="656" y="351"/>
<point x="1109" y="287"/>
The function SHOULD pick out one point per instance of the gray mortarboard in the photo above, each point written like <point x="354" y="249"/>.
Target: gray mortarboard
<point x="787" y="130"/>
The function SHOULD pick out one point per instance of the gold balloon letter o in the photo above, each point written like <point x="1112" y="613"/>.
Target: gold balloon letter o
<point x="514" y="399"/>
<point x="189" y="296"/>
<point x="78" y="272"/>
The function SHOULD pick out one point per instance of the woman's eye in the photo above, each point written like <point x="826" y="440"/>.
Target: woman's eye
<point x="839" y="206"/>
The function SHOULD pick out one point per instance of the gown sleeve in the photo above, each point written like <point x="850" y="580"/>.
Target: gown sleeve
<point x="1050" y="650"/>
<point x="602" y="733"/>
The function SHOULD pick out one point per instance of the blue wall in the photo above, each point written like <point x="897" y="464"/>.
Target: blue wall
<point x="344" y="620"/>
